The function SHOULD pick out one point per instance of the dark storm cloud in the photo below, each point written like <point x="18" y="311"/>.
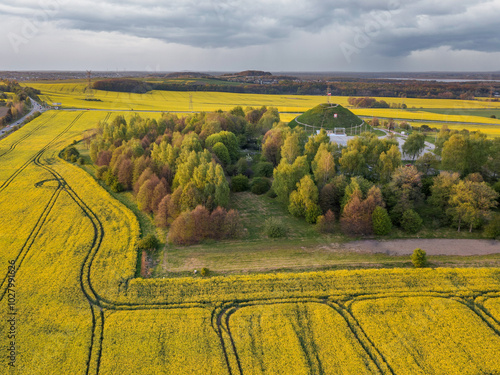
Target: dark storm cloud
<point x="411" y="26"/>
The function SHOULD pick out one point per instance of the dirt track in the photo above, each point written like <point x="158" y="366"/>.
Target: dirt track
<point x="431" y="246"/>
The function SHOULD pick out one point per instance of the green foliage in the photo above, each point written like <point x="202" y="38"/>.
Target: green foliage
<point x="419" y="258"/>
<point x="229" y="140"/>
<point x="291" y="148"/>
<point x="204" y="272"/>
<point x="264" y="169"/>
<point x="260" y="185"/>
<point x="274" y="228"/>
<point x="149" y="243"/>
<point x="411" y="221"/>
<point x="323" y="165"/>
<point x="323" y="115"/>
<point x="492" y="229"/>
<point x="414" y="144"/>
<point x="286" y="177"/>
<point x="222" y="153"/>
<point x="81" y="161"/>
<point x="381" y="221"/>
<point x="304" y="200"/>
<point x="239" y="183"/>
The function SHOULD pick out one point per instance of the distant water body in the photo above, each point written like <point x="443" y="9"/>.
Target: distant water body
<point x="442" y="79"/>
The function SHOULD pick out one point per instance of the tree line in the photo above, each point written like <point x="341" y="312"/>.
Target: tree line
<point x="352" y="87"/>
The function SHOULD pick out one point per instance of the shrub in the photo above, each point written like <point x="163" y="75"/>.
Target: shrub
<point x="101" y="172"/>
<point x="69" y="153"/>
<point x="81" y="161"/>
<point x="232" y="225"/>
<point x="274" y="228"/>
<point x="204" y="272"/>
<point x="381" y="221"/>
<point x="326" y="223"/>
<point x="411" y="221"/>
<point x="73" y="158"/>
<point x="271" y="193"/>
<point x="239" y="183"/>
<point x="260" y="185"/>
<point x="264" y="169"/>
<point x="149" y="243"/>
<point x="492" y="230"/>
<point x="419" y="258"/>
<point x="116" y="186"/>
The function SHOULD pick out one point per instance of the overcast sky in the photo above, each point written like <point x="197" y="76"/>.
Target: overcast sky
<point x="231" y="35"/>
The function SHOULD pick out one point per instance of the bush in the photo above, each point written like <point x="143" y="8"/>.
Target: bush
<point x="326" y="223"/>
<point x="411" y="221"/>
<point x="419" y="258"/>
<point x="264" y="169"/>
<point x="149" y="243"/>
<point x="204" y="272"/>
<point x="70" y="153"/>
<point x="239" y="183"/>
<point x="271" y="193"/>
<point x="81" y="161"/>
<point x="381" y="221"/>
<point x="260" y="185"/>
<point x="101" y="172"/>
<point x="492" y="230"/>
<point x="274" y="228"/>
<point x="73" y="158"/>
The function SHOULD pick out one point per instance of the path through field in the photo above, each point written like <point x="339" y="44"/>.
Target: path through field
<point x="431" y="246"/>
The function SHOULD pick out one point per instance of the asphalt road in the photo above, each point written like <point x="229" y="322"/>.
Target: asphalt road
<point x="35" y="107"/>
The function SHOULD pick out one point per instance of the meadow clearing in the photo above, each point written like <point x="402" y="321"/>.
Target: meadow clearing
<point x="81" y="309"/>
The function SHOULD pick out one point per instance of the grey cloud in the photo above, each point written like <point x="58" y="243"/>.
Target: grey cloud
<point x="415" y="25"/>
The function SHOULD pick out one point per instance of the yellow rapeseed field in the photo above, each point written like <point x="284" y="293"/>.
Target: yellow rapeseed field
<point x="80" y="309"/>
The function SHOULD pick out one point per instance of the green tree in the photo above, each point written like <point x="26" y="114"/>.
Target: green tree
<point x="427" y="163"/>
<point x="290" y="149"/>
<point x="313" y="143"/>
<point x="414" y="144"/>
<point x="286" y="177"/>
<point x="271" y="145"/>
<point x="381" y="221"/>
<point x="222" y="153"/>
<point x="388" y="162"/>
<point x="304" y="200"/>
<point x="404" y="192"/>
<point x="419" y="258"/>
<point x="229" y="140"/>
<point x="239" y="183"/>
<point x="323" y="166"/>
<point x="411" y="221"/>
<point x="442" y="188"/>
<point x="471" y="202"/>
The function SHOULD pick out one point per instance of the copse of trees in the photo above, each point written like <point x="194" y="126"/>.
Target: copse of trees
<point x="367" y="189"/>
<point x="175" y="164"/>
<point x="179" y="169"/>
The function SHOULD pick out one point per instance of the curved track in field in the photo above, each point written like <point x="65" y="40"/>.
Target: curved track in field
<point x="221" y="318"/>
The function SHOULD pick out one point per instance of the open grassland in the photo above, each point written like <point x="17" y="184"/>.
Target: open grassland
<point x="81" y="310"/>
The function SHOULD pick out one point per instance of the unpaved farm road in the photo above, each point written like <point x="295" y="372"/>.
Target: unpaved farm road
<point x="431" y="246"/>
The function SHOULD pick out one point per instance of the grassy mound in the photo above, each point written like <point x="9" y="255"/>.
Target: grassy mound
<point x="323" y="115"/>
